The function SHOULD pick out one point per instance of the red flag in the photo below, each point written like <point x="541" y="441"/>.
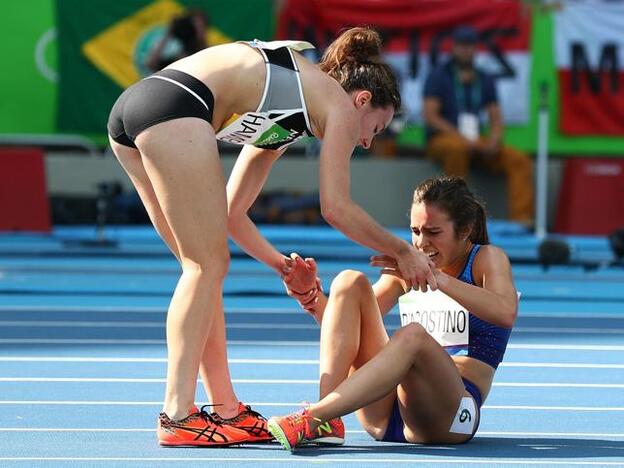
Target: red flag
<point x="417" y="33"/>
<point x="590" y="65"/>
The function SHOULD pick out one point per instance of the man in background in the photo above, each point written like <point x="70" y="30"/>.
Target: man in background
<point x="185" y="35"/>
<point x="456" y="94"/>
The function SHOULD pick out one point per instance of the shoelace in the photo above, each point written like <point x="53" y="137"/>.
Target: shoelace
<point x="296" y="419"/>
<point x="253" y="413"/>
<point x="247" y="410"/>
<point x="208" y="416"/>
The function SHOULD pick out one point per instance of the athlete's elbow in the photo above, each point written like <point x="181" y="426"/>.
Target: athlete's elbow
<point x="333" y="213"/>
<point x="234" y="221"/>
<point x="329" y="215"/>
<point x="508" y="316"/>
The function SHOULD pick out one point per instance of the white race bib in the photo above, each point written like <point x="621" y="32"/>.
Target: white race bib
<point x="465" y="418"/>
<point x="257" y="128"/>
<point x="468" y="126"/>
<point x="442" y="317"/>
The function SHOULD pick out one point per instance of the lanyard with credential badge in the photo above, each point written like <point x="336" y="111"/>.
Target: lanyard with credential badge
<point x="468" y="119"/>
<point x="475" y="93"/>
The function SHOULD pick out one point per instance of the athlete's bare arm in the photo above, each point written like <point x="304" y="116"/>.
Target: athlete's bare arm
<point x="494" y="297"/>
<point x="248" y="176"/>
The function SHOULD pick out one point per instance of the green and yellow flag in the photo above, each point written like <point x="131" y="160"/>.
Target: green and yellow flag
<point x="117" y="51"/>
<point x="103" y="46"/>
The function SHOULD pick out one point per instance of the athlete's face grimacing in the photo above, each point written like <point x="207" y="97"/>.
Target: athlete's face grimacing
<point x="433" y="233"/>
<point x="373" y="120"/>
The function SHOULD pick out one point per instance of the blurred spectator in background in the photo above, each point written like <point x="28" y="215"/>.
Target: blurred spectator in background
<point x="186" y="34"/>
<point x="455" y="94"/>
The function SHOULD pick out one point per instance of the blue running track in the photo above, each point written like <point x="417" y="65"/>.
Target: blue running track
<point x="82" y="356"/>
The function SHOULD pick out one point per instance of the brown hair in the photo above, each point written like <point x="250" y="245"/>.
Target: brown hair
<point x="452" y="195"/>
<point x="354" y="60"/>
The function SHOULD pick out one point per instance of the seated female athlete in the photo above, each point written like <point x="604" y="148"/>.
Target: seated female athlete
<point x="407" y="388"/>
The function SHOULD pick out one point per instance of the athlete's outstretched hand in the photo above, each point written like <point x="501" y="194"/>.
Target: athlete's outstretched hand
<point x="299" y="274"/>
<point x="412" y="266"/>
<point x="301" y="281"/>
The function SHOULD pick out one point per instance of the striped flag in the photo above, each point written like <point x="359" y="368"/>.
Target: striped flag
<point x="589" y="51"/>
<point x="417" y="35"/>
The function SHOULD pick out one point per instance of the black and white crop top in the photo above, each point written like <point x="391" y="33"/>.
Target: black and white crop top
<point x="282" y="116"/>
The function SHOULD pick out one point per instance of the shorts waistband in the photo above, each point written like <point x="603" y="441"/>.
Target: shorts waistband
<point x="195" y="85"/>
<point x="474" y="391"/>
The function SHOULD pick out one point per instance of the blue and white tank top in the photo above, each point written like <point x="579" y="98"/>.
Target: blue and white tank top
<point x="487" y="342"/>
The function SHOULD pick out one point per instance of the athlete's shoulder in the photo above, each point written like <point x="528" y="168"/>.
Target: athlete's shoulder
<point x="491" y="251"/>
<point x="490" y="262"/>
<point x="329" y="106"/>
<point x="273" y="45"/>
<point x="491" y="255"/>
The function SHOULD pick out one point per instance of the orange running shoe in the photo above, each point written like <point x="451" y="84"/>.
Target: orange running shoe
<point x="331" y="432"/>
<point x="292" y="430"/>
<point x="198" y="429"/>
<point x="248" y="420"/>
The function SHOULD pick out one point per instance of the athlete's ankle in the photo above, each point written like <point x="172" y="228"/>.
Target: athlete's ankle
<point x="177" y="415"/>
<point x="176" y="412"/>
<point x="227" y="410"/>
<point x="314" y="421"/>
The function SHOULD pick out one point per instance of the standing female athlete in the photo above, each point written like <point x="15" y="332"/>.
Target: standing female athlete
<point x="407" y="388"/>
<point x="265" y="96"/>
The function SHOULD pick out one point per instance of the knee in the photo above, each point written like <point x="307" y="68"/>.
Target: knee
<point x="349" y="281"/>
<point x="517" y="159"/>
<point x="455" y="147"/>
<point x="375" y="432"/>
<point x="410" y="338"/>
<point x="212" y="266"/>
<point x="447" y="145"/>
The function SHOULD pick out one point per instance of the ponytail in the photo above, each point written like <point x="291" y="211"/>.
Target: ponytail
<point x="354" y="60"/>
<point x="353" y="47"/>
<point x="479" y="234"/>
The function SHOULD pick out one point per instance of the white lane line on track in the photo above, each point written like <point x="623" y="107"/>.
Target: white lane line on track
<point x="278" y="382"/>
<point x="155" y="360"/>
<point x="37" y="359"/>
<point x="547" y="434"/>
<point x="612" y="331"/>
<point x="289" y="460"/>
<point x="553" y="408"/>
<point x="570" y="347"/>
<point x="128" y="324"/>
<point x="263" y="326"/>
<point x="267" y="343"/>
<point x="556" y="385"/>
<point x="479" y="434"/>
<point x="557" y="365"/>
<point x="159" y="310"/>
<point x="255" y="310"/>
<point x="280" y="405"/>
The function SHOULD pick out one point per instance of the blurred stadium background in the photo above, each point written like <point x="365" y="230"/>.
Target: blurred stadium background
<point x="70" y="59"/>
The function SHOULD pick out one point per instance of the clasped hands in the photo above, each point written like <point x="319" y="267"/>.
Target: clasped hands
<point x="300" y="276"/>
<point x="301" y="281"/>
